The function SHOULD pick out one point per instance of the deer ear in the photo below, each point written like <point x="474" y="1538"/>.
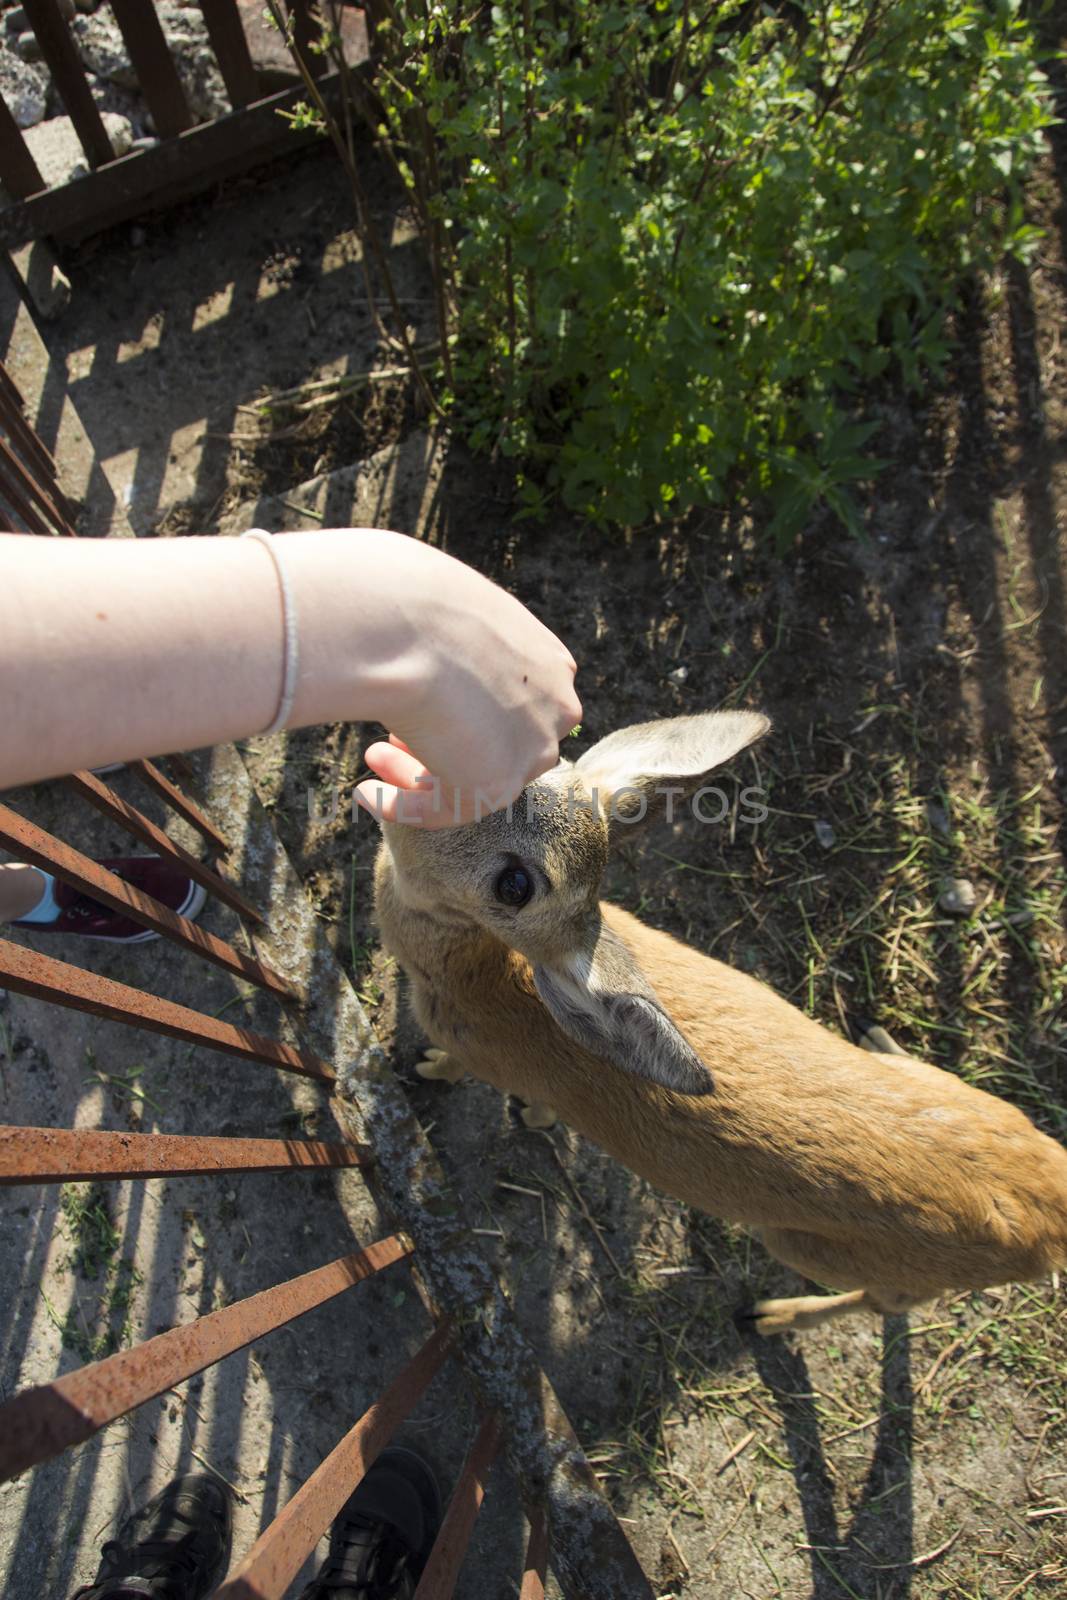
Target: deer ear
<point x="605" y="1003"/>
<point x="632" y="771"/>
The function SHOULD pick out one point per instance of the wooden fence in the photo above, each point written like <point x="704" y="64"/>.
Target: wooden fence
<point x="187" y="158"/>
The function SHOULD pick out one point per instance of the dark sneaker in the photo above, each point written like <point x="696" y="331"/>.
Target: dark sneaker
<point x="383" y="1534"/>
<point x="77" y="913"/>
<point x="177" y="1547"/>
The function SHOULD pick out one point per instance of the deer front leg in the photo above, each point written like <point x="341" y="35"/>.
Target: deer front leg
<point x="439" y="1064"/>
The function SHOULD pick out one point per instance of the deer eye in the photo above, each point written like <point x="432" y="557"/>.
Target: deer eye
<point x="513" y="887"/>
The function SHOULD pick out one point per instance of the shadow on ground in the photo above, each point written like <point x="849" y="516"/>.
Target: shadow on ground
<point x="916" y="682"/>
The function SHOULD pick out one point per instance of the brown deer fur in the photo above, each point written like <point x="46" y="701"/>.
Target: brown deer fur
<point x="880" y="1175"/>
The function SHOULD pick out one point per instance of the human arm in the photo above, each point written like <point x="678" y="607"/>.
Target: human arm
<point x="114" y="649"/>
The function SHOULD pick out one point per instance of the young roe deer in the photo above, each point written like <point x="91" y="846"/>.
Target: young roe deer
<point x="882" y="1176"/>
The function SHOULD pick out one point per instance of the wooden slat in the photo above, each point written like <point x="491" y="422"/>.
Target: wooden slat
<point x="42" y="1422"/>
<point x="42" y="977"/>
<point x="442" y="1569"/>
<point x="28" y="842"/>
<point x="306" y="31"/>
<point x="61" y="55"/>
<point x="19" y="172"/>
<point x="82" y="1155"/>
<point x="169" y="171"/>
<point x="281" y="1550"/>
<point x="150" y="774"/>
<point x="154" y="65"/>
<point x="90" y="788"/>
<point x="231" y="50"/>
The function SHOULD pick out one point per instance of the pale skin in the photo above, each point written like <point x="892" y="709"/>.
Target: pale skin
<point x="123" y="648"/>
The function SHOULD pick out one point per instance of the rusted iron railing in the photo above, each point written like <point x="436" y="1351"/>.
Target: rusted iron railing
<point x="81" y="1155"/>
<point x="43" y="1421"/>
<point x="279" y="1553"/>
<point x="44" y="978"/>
<point x="150" y="775"/>
<point x="187" y="157"/>
<point x="143" y="828"/>
<point x="461" y="1296"/>
<point x="535" y="1566"/>
<point x="442" y="1569"/>
<point x="31" y="500"/>
<point x="32" y="844"/>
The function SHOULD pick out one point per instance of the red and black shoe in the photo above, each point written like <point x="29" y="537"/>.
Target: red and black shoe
<point x="76" y="912"/>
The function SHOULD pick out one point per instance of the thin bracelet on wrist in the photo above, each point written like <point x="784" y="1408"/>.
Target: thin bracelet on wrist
<point x="290" y="631"/>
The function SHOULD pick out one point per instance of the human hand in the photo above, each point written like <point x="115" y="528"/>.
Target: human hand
<point x="480" y="692"/>
<point x="120" y="648"/>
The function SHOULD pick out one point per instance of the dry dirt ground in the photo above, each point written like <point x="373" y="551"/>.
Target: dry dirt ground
<point x="918" y="685"/>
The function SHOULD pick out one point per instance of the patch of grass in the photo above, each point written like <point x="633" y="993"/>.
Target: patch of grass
<point x="88" y="1226"/>
<point x="856" y="928"/>
<point x="94" y="1259"/>
<point x="124" y="1086"/>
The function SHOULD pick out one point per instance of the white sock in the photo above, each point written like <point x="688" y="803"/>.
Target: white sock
<point x="47" y="907"/>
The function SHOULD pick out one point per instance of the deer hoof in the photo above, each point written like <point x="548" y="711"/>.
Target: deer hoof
<point x="439" y="1064"/>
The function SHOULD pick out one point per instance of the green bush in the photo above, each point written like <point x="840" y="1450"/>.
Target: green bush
<point x="673" y="241"/>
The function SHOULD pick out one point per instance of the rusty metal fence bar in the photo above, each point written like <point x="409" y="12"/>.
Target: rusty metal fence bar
<point x="536" y="1564"/>
<point x="442" y="1569"/>
<point x="44" y="1421"/>
<point x="281" y="1550"/>
<point x="38" y="457"/>
<point x="26" y="496"/>
<point x="44" y="978"/>
<point x="141" y="827"/>
<point x="40" y="849"/>
<point x="160" y="784"/>
<point x="28" y="481"/>
<point x="78" y="1155"/>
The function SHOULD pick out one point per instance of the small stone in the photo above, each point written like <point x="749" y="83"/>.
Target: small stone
<point x="958" y="897"/>
<point x="15" y="20"/>
<point x="57" y="150"/>
<point x="678" y="676"/>
<point x="938" y="819"/>
<point x="27" y="46"/>
<point x="24" y="88"/>
<point x="825" y="834"/>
